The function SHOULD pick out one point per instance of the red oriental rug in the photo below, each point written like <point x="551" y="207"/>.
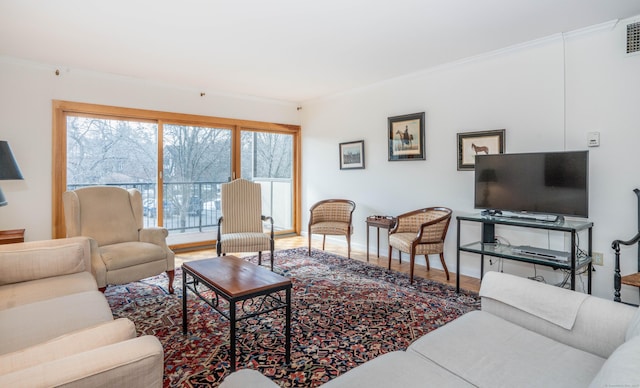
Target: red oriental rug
<point x="344" y="313"/>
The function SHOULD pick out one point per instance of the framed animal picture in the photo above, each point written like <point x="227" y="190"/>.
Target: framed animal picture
<point x="471" y="144"/>
<point x="406" y="137"/>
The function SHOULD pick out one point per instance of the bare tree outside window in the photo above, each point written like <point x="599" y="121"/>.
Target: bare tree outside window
<point x="101" y="151"/>
<point x="196" y="161"/>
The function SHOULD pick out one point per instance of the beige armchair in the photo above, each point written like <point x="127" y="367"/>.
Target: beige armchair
<point x="240" y="227"/>
<point x="124" y="251"/>
<point x="421" y="232"/>
<point x="332" y="217"/>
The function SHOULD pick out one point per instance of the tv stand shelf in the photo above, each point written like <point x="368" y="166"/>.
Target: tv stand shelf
<point x="488" y="246"/>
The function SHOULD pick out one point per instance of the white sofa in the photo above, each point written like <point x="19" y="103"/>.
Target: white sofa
<point x="56" y="328"/>
<point x="528" y="334"/>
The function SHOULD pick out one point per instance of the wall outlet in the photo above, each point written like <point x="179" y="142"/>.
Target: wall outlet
<point x="597" y="258"/>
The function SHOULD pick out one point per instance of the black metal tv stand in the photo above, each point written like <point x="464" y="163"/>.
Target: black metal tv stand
<point x="488" y="246"/>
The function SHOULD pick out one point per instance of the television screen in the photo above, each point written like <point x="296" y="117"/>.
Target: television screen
<point x="555" y="183"/>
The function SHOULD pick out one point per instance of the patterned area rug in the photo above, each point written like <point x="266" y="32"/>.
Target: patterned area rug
<point x="344" y="313"/>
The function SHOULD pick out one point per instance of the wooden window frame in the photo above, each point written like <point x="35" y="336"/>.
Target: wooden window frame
<point x="61" y="109"/>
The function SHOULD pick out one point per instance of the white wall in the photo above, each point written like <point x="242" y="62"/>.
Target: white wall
<point x="26" y="93"/>
<point x="521" y="90"/>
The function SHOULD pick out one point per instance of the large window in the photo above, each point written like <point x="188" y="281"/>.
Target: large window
<point x="178" y="163"/>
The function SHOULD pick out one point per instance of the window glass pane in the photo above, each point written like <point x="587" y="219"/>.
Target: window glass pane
<point x="112" y="152"/>
<point x="196" y="161"/>
<point x="267" y="158"/>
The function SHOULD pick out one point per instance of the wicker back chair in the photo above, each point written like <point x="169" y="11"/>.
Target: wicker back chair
<point x="332" y="217"/>
<point x="240" y="227"/>
<point x="421" y="232"/>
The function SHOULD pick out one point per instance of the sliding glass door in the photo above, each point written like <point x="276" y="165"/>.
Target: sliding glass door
<point x="267" y="158"/>
<point x="178" y="162"/>
<point x="196" y="161"/>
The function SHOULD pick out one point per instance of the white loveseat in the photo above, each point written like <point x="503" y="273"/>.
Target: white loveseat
<point x="56" y="328"/>
<point x="528" y="334"/>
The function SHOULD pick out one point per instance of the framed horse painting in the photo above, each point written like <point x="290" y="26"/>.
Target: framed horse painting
<point x="471" y="144"/>
<point x="406" y="137"/>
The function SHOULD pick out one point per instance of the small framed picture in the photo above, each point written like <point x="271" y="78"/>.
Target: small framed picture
<point x="471" y="144"/>
<point x="352" y="155"/>
<point x="406" y="137"/>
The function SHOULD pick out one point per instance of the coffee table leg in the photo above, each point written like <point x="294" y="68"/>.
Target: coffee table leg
<point x="288" y="329"/>
<point x="232" y="334"/>
<point x="184" y="301"/>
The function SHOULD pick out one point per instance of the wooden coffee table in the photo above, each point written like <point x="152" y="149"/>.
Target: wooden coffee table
<point x="236" y="280"/>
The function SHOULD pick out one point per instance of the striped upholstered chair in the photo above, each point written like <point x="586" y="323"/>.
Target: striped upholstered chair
<point x="240" y="227"/>
<point x="421" y="232"/>
<point x="332" y="217"/>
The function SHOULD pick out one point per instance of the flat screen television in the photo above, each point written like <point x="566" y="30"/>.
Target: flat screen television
<point x="549" y="183"/>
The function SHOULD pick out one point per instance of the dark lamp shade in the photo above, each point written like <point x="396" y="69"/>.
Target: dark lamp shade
<point x="8" y="167"/>
<point x="488" y="175"/>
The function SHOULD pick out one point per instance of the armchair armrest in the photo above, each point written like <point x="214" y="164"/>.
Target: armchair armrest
<point x="617" y="277"/>
<point x="98" y="268"/>
<point x="438" y="236"/>
<point x="268" y="218"/>
<point x="158" y="236"/>
<point x="592" y="324"/>
<point x="154" y="235"/>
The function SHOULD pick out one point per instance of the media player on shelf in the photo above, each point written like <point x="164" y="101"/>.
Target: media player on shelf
<point x="542" y="253"/>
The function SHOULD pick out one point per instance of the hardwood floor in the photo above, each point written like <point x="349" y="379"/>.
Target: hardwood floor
<point x="466" y="282"/>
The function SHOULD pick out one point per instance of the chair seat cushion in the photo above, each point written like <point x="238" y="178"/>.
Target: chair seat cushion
<point x="331" y="228"/>
<point x="245" y="242"/>
<point x="129" y="254"/>
<point x="398" y="369"/>
<point x="402" y="242"/>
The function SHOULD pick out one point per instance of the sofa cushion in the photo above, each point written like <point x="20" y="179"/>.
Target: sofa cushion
<point x="621" y="369"/>
<point x="397" y="369"/>
<point x="599" y="327"/>
<point x="634" y="327"/>
<point x="68" y="344"/>
<point x="33" y="323"/>
<point x="12" y="295"/>
<point x="492" y="352"/>
<point x="37" y="263"/>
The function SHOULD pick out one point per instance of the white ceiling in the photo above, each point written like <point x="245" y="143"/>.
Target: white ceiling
<point x="291" y="50"/>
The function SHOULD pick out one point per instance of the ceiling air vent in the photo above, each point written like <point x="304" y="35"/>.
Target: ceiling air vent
<point x="633" y="38"/>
